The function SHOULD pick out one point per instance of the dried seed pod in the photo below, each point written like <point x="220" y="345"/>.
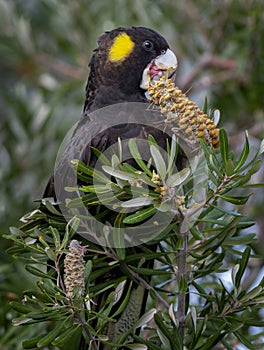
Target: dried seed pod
<point x="74" y="267"/>
<point x="180" y="112"/>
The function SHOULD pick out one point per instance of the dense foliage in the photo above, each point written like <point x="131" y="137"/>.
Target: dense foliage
<point x="192" y="303"/>
<point x="44" y="51"/>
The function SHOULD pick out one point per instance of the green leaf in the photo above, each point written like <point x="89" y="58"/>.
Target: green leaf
<point x="244" y="340"/>
<point x="115" y="161"/>
<point x="239" y="200"/>
<point x="149" y="344"/>
<point x="149" y="272"/>
<point x="252" y="294"/>
<point x="211" y="161"/>
<point x="229" y="167"/>
<point x="51" y="207"/>
<point x="36" y="272"/>
<point x="152" y="141"/>
<point x="24" y="309"/>
<point x="140" y="216"/>
<point x="66" y="336"/>
<point x="223" y="146"/>
<point x="214" y="166"/>
<point x="146" y="318"/>
<point x="172" y="154"/>
<point x="51" y="254"/>
<point x="31" y="343"/>
<point x="214" y="339"/>
<point x="118" y="173"/>
<point x="119" y="243"/>
<point x="88" y="269"/>
<point x="255" y="167"/>
<point x="125" y="300"/>
<point x="101" y="157"/>
<point x="70" y="231"/>
<point x="244" y="154"/>
<point x="49" y="337"/>
<point x="159" y="162"/>
<point x="178" y="178"/>
<point x="194" y="317"/>
<point x="16" y="231"/>
<point x="53" y="313"/>
<point x="173" y="337"/>
<point x="205" y="105"/>
<point x="137" y="202"/>
<point x="95" y="189"/>
<point x="137" y="157"/>
<point x="242" y="266"/>
<point x="56" y="237"/>
<point x="38" y="296"/>
<point x="137" y="346"/>
<point x="241" y="239"/>
<point x="196" y="233"/>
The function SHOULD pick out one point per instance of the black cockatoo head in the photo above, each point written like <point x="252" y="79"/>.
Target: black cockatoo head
<point x="124" y="63"/>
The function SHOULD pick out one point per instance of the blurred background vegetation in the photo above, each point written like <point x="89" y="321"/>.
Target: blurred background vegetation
<point x="45" y="47"/>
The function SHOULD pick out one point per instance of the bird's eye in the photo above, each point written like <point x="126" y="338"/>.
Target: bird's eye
<point x="148" y="45"/>
<point x="163" y="52"/>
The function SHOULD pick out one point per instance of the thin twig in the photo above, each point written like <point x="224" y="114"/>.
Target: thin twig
<point x="86" y="330"/>
<point x="147" y="285"/>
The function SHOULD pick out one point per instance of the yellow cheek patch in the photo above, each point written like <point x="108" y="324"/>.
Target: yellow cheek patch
<point x="121" y="48"/>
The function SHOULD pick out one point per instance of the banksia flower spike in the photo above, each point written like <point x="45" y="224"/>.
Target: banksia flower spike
<point x="182" y="114"/>
<point x="74" y="267"/>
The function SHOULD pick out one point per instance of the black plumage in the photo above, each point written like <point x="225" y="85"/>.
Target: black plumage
<point x="112" y="82"/>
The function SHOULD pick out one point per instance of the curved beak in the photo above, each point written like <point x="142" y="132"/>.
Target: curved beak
<point x="163" y="64"/>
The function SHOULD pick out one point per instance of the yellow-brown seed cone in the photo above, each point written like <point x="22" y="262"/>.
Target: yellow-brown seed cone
<point x="180" y="111"/>
<point x="74" y="267"/>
